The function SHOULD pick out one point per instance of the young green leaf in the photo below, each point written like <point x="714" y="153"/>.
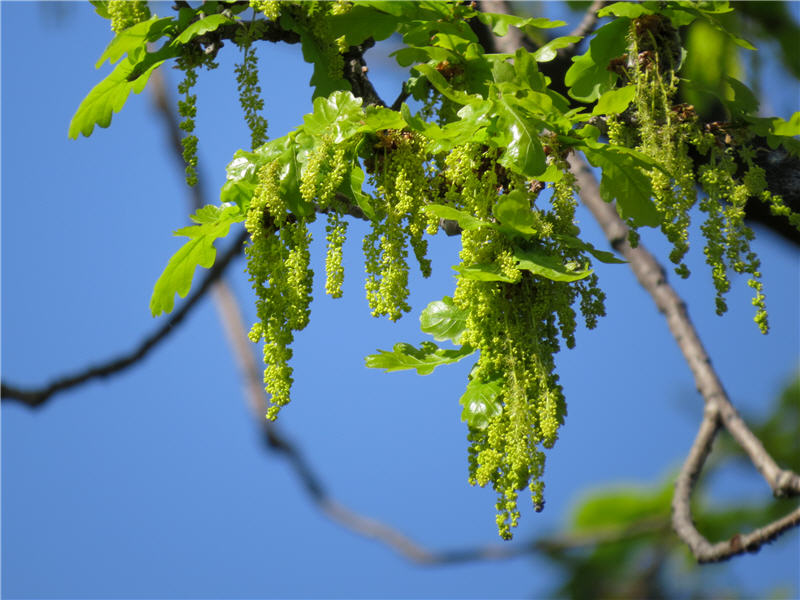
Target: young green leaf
<point x="108" y="97"/>
<point x="632" y="10"/>
<point x="339" y="115"/>
<point x="361" y="23"/>
<point x="547" y="265"/>
<point x="379" y="117"/>
<point x="499" y="23"/>
<point x="572" y="242"/>
<point x="443" y="320"/>
<point x="514" y="210"/>
<point x="483" y="272"/>
<point x="352" y="188"/>
<point x="443" y="86"/>
<point x="204" y="25"/>
<point x="589" y="77"/>
<point x="481" y="402"/>
<point x="623" y="181"/>
<point x="424" y="359"/>
<point x="549" y="51"/>
<point x="133" y="40"/>
<point x="214" y="222"/>
<point x="524" y="153"/>
<point x="465" y="220"/>
<point x="615" y="101"/>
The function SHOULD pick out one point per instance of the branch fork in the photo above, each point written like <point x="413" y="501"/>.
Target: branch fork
<point x="719" y="412"/>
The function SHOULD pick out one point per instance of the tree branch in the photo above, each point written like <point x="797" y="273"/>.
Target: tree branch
<point x="718" y="410"/>
<point x="587" y="24"/>
<point x="35" y="397"/>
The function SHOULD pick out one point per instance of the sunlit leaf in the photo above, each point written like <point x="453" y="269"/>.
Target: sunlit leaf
<point x="589" y="77"/>
<point x="465" y="220"/>
<point x="483" y="272"/>
<point x="213" y="223"/>
<point x="615" y="101"/>
<point x="424" y="359"/>
<point x="499" y="23"/>
<point x="514" y="210"/>
<point x="481" y="402"/>
<point x="133" y="40"/>
<point x="204" y="25"/>
<point x="108" y="97"/>
<point x="548" y="265"/>
<point x="524" y="153"/>
<point x="338" y="115"/>
<point x="443" y="320"/>
<point x="623" y="181"/>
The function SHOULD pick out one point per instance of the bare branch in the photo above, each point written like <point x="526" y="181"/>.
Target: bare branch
<point x="586" y="26"/>
<point x="514" y="39"/>
<point x="718" y="410"/>
<point x="35" y="397"/>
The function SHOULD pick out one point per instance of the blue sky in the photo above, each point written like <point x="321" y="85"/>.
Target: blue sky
<point x="155" y="483"/>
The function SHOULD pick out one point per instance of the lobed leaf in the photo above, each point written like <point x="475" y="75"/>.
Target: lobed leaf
<point x="361" y="23"/>
<point x="109" y="96"/>
<point x="204" y="25"/>
<point x="589" y="77"/>
<point x="549" y="51"/>
<point x="481" y="402"/>
<point x="133" y="40"/>
<point x="483" y="272"/>
<point x="524" y="153"/>
<point x="339" y="115"/>
<point x="443" y="86"/>
<point x="547" y="265"/>
<point x="214" y="222"/>
<point x="632" y="10"/>
<point x="499" y="23"/>
<point x="601" y="255"/>
<point x="424" y="359"/>
<point x="443" y="320"/>
<point x="624" y="181"/>
<point x="615" y="101"/>
<point x="465" y="220"/>
<point x="514" y="210"/>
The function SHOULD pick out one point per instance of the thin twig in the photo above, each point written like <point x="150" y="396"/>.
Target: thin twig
<point x="514" y="39"/>
<point x="586" y="26"/>
<point x="35" y="397"/>
<point x="718" y="411"/>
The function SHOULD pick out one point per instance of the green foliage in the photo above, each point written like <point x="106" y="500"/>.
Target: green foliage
<point x="443" y="320"/>
<point x="424" y="359"/>
<point x="212" y="223"/>
<point x="589" y="77"/>
<point x="486" y="152"/>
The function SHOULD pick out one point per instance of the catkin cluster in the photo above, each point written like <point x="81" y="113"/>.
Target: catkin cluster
<point x="516" y="325"/>
<point x="668" y="132"/>
<point x="402" y="188"/>
<point x="278" y="263"/>
<point x="125" y="13"/>
<point x="247" y="83"/>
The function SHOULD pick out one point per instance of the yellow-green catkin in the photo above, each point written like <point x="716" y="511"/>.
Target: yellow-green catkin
<point x="516" y="325"/>
<point x="271" y="9"/>
<point x="322" y="176"/>
<point x="402" y="188"/>
<point x="125" y="13"/>
<point x="666" y="132"/>
<point x="278" y="263"/>
<point x="307" y="16"/>
<point x="187" y="108"/>
<point x="247" y="83"/>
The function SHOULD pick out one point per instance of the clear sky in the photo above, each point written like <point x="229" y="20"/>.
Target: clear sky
<point x="155" y="483"/>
